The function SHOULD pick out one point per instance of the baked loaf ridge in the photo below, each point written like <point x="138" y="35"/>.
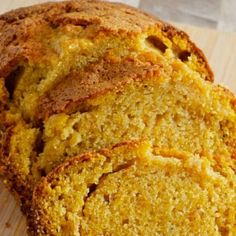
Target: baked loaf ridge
<point x="84" y="75"/>
<point x="136" y="189"/>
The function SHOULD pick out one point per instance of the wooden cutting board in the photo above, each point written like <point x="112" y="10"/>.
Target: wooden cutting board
<point x="220" y="49"/>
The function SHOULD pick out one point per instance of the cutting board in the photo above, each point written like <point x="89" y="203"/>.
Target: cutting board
<point x="220" y="49"/>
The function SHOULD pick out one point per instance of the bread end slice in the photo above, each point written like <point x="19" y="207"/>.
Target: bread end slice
<point x="136" y="189"/>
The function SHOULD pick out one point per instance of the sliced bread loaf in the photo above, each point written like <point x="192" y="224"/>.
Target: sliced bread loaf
<point x="83" y="75"/>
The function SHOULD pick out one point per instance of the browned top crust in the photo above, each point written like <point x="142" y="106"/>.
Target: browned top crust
<point x="94" y="80"/>
<point x="19" y="28"/>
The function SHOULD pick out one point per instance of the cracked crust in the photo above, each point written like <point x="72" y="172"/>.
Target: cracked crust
<point x="20" y="28"/>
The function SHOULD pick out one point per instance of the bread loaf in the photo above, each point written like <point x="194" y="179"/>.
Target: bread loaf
<point x="83" y="75"/>
<point x="78" y="76"/>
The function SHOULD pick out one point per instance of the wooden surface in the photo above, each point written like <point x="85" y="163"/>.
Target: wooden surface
<point x="220" y="49"/>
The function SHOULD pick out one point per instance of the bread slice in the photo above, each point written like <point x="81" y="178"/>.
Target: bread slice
<point x="136" y="189"/>
<point x="84" y="75"/>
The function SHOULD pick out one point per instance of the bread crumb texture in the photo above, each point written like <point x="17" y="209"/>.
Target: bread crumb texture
<point x="77" y="76"/>
<point x="136" y="189"/>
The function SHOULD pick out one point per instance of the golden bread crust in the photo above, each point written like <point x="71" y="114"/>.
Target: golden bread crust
<point x="20" y="28"/>
<point x="93" y="81"/>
